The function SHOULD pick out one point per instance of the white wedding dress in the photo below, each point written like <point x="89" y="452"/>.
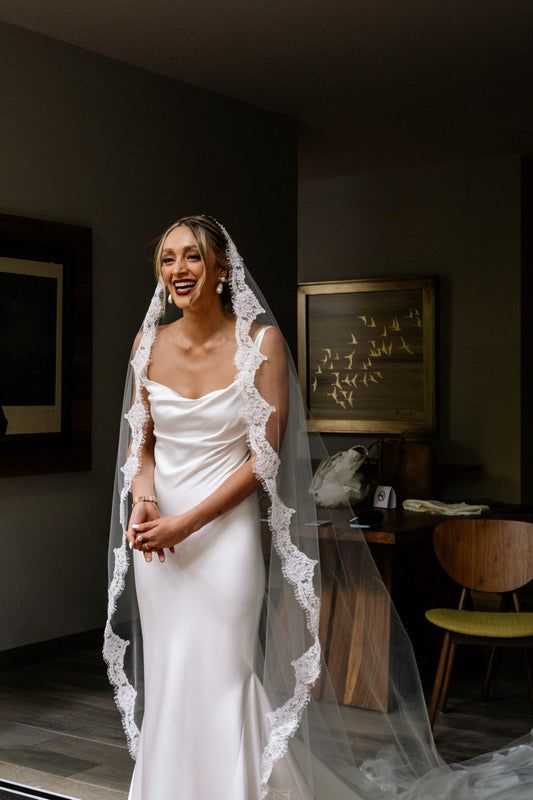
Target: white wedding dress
<point x="204" y="713"/>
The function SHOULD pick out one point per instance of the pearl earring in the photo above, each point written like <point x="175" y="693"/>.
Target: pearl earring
<point x="169" y="298"/>
<point x="220" y="287"/>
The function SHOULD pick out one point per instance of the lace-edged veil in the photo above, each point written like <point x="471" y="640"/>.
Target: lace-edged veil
<point x="381" y="749"/>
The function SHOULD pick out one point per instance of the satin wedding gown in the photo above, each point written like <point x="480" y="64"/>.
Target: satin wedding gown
<point x="202" y="730"/>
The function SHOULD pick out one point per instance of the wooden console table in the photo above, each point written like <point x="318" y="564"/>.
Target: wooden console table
<point x="402" y="549"/>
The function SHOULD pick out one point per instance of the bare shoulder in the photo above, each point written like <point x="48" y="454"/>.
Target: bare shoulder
<point x="136" y="342"/>
<point x="273" y="336"/>
<point x="273" y="345"/>
<point x="161" y="336"/>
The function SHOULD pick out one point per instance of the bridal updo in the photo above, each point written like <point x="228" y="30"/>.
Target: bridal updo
<point x="210" y="240"/>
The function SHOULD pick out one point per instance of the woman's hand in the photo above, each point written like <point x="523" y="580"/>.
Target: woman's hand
<point x="155" y="534"/>
<point x="143" y="511"/>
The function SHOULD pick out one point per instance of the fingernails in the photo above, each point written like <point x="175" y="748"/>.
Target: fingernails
<point x="135" y="525"/>
<point x="130" y="544"/>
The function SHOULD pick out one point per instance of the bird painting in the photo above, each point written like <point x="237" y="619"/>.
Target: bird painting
<point x="349" y="359"/>
<point x="333" y="394"/>
<point x="346" y="355"/>
<point x="405" y="346"/>
<point x="337" y="381"/>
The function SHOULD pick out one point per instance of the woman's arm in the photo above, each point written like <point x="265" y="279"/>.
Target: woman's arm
<point x="143" y="482"/>
<point x="272" y="383"/>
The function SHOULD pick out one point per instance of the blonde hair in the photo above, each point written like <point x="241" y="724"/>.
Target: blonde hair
<point x="210" y="240"/>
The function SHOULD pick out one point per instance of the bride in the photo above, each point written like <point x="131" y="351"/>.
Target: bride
<point x="194" y="495"/>
<point x="216" y="645"/>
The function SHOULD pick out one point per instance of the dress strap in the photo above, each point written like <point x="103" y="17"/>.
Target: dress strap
<point x="259" y="336"/>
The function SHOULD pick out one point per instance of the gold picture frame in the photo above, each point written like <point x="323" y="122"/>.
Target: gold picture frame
<point x="366" y="355"/>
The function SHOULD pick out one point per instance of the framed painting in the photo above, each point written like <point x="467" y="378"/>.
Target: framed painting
<point x="366" y="355"/>
<point x="45" y="341"/>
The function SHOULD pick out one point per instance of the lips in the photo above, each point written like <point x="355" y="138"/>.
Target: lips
<point x="183" y="287"/>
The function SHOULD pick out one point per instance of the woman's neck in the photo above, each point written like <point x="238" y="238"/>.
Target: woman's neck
<point x="199" y="325"/>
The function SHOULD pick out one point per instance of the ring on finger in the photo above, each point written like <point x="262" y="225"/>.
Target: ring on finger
<point x="146" y="547"/>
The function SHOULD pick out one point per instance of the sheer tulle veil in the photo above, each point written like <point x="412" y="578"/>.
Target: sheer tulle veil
<point x="381" y="750"/>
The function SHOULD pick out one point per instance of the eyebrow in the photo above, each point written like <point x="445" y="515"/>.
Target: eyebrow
<point x="187" y="247"/>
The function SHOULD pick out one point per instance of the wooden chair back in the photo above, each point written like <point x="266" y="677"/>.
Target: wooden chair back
<point x="486" y="555"/>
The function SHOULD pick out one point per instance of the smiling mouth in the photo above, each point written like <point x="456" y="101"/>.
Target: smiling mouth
<point x="183" y="287"/>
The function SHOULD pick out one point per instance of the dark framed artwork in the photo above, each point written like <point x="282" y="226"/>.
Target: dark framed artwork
<point x="45" y="346"/>
<point x="366" y="355"/>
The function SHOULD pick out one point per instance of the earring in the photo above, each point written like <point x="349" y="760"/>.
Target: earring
<point x="169" y="298"/>
<point x="220" y="287"/>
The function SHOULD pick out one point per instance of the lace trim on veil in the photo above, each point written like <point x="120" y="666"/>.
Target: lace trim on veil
<point x="297" y="568"/>
<point x="114" y="648"/>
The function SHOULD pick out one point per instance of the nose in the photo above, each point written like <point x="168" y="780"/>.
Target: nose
<point x="180" y="266"/>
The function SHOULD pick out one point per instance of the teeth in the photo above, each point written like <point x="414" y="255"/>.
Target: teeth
<point x="183" y="284"/>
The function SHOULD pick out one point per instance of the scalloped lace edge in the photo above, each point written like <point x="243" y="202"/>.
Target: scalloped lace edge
<point x="114" y="649"/>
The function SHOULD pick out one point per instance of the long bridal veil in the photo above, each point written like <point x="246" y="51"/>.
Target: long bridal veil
<point x="326" y="733"/>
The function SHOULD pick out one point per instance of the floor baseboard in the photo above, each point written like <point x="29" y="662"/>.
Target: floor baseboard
<point x="51" y="648"/>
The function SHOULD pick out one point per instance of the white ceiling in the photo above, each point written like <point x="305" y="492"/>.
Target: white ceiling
<point x="373" y="82"/>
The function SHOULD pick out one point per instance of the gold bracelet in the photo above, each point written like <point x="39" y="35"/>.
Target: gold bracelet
<point x="147" y="498"/>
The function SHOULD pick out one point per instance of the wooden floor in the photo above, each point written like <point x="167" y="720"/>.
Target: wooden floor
<point x="471" y="727"/>
<point x="59" y="729"/>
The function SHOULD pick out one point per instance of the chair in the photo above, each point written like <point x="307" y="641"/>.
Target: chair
<point x="482" y="555"/>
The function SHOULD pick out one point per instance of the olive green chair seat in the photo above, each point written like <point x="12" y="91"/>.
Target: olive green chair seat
<point x="486" y="624"/>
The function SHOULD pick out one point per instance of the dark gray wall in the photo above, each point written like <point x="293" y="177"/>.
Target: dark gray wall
<point x="459" y="221"/>
<point x="90" y="141"/>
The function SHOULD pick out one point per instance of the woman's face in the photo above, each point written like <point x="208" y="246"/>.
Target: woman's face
<point x="182" y="267"/>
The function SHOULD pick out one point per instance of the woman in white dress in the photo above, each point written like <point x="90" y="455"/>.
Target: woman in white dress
<point x="218" y="664"/>
<point x="198" y="565"/>
<point x="199" y="601"/>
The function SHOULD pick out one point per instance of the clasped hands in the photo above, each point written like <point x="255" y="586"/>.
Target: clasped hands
<point x="156" y="534"/>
